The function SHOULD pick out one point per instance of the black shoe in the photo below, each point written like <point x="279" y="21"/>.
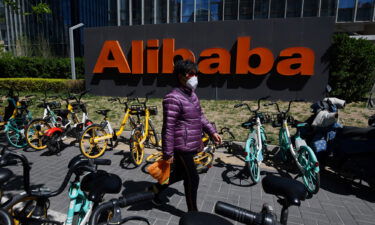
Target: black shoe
<point x="156" y="200"/>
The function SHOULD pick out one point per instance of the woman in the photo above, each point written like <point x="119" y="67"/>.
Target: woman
<point x="183" y="124"/>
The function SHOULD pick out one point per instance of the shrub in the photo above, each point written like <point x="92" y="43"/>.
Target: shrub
<point x="41" y="85"/>
<point x="352" y="67"/>
<point x="11" y="66"/>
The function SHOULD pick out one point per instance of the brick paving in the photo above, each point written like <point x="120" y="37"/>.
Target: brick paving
<point x="337" y="202"/>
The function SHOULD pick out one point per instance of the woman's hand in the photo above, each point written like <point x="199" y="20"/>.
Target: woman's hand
<point x="217" y="138"/>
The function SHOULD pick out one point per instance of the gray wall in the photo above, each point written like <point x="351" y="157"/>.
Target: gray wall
<point x="275" y="34"/>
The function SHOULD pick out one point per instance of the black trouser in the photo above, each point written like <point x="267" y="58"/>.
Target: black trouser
<point x="183" y="168"/>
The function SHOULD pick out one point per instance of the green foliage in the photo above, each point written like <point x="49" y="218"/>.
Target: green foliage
<point x="41" y="8"/>
<point x="352" y="67"/>
<point x="11" y="66"/>
<point x="41" y="85"/>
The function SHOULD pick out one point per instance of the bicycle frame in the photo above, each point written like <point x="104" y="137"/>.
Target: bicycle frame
<point x="78" y="204"/>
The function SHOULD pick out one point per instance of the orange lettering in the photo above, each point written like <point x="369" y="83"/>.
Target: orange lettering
<point x="223" y="61"/>
<point x="137" y="57"/>
<point x="169" y="53"/>
<point x="153" y="56"/>
<point x="306" y="62"/>
<point x="243" y="56"/>
<point x="119" y="61"/>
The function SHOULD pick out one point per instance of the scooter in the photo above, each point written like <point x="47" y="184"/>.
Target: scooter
<point x="348" y="151"/>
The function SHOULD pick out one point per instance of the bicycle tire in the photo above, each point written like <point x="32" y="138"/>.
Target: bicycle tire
<point x="88" y="148"/>
<point x="14" y="135"/>
<point x="154" y="157"/>
<point x="5" y="218"/>
<point x="152" y="135"/>
<point x="35" y="134"/>
<point x="136" y="149"/>
<point x="54" y="143"/>
<point x="203" y="160"/>
<point x="311" y="178"/>
<point x="252" y="164"/>
<point x="21" y="206"/>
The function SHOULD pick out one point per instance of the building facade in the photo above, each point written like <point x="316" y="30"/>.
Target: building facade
<point x="20" y="28"/>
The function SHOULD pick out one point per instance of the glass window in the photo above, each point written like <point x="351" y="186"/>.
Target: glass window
<point x="294" y="8"/>
<point x="328" y="8"/>
<point x="230" y="9"/>
<point x="346" y="10"/>
<point x="136" y="12"/>
<point x="174" y="11"/>
<point x="246" y="9"/>
<point x="216" y="7"/>
<point x="201" y="10"/>
<point x="310" y="8"/>
<point x="149" y="11"/>
<point x="365" y="10"/>
<point x="261" y="8"/>
<point x="277" y="8"/>
<point x="124" y="12"/>
<point x="187" y="11"/>
<point x="161" y="11"/>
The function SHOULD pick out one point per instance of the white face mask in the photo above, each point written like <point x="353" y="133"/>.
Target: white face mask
<point x="192" y="83"/>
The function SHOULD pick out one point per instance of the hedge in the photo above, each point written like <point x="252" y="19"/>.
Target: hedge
<point x="41" y="85"/>
<point x="38" y="67"/>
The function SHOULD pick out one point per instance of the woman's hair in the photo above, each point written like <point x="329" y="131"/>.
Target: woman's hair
<point x="185" y="66"/>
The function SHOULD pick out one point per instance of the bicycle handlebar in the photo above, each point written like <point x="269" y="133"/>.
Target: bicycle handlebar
<point x="245" y="216"/>
<point x="248" y="107"/>
<point x="290" y="103"/>
<point x="121" y="202"/>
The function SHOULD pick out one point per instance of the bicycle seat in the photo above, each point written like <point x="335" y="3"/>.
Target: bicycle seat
<point x="99" y="183"/>
<point x="103" y="112"/>
<point x="292" y="190"/>
<point x="202" y="218"/>
<point x="5" y="175"/>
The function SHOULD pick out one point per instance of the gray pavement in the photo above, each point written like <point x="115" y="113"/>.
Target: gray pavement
<point x="337" y="202"/>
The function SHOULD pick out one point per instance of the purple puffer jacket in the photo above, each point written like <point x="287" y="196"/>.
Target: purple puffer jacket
<point x="183" y="122"/>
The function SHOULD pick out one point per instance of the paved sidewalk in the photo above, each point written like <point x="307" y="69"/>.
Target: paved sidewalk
<point x="338" y="201"/>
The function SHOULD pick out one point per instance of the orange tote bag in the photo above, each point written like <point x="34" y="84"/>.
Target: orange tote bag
<point x="160" y="170"/>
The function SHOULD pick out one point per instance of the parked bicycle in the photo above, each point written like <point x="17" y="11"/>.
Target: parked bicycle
<point x="296" y="148"/>
<point x="290" y="192"/>
<point x="31" y="206"/>
<point x="256" y="143"/>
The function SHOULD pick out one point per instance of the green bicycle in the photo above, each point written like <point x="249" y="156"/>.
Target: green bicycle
<point x="297" y="150"/>
<point x="256" y="143"/>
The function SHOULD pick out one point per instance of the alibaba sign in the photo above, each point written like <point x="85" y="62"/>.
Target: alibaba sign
<point x="293" y="61"/>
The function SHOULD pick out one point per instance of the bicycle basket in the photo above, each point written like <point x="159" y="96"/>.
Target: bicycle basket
<point x="54" y="105"/>
<point x="251" y="122"/>
<point x="153" y="110"/>
<point x="137" y="109"/>
<point x="76" y="107"/>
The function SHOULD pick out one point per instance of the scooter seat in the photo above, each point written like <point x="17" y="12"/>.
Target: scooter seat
<point x="356" y="133"/>
<point x="202" y="218"/>
<point x="5" y="175"/>
<point x="292" y="190"/>
<point x="99" y="183"/>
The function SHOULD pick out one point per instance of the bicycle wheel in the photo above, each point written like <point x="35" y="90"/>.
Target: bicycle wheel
<point x="136" y="149"/>
<point x="154" y="157"/>
<point x="35" y="134"/>
<point x="203" y="161"/>
<point x="251" y="161"/>
<point x="311" y="178"/>
<point x="89" y="147"/>
<point x="284" y="146"/>
<point x="15" y="135"/>
<point x="153" y="138"/>
<point x="5" y="218"/>
<point x="22" y="209"/>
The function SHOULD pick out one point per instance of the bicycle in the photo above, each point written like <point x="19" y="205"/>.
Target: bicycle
<point x="256" y="143"/>
<point x="5" y="218"/>
<point x="31" y="206"/>
<point x="301" y="153"/>
<point x="94" y="140"/>
<point x="36" y="129"/>
<point x="15" y="126"/>
<point x="204" y="159"/>
<point x="290" y="192"/>
<point x="65" y="127"/>
<point x="113" y="206"/>
<point x="142" y="131"/>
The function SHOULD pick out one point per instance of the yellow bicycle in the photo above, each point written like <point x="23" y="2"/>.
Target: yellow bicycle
<point x="97" y="137"/>
<point x="143" y="131"/>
